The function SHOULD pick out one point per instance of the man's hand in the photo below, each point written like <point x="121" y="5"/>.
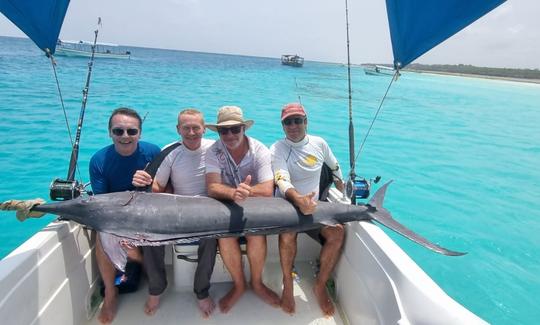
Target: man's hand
<point x="306" y="204"/>
<point x="141" y="179"/>
<point x="243" y="190"/>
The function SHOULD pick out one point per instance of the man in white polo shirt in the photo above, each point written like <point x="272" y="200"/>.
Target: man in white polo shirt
<point x="297" y="161"/>
<point x="238" y="166"/>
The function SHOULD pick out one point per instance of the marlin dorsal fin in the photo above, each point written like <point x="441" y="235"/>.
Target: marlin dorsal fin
<point x="378" y="198"/>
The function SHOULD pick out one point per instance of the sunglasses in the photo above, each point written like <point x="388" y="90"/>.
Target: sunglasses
<point x="295" y="120"/>
<point x="120" y="132"/>
<point x="234" y="130"/>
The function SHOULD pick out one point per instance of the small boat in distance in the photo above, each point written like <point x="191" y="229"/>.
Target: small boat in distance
<point x="378" y="70"/>
<point x="84" y="49"/>
<point x="292" y="60"/>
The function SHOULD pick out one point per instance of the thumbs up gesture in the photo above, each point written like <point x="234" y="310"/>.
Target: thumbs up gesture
<point x="243" y="191"/>
<point x="306" y="204"/>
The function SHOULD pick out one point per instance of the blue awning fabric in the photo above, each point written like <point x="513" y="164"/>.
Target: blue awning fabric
<point x="416" y="26"/>
<point x="40" y="20"/>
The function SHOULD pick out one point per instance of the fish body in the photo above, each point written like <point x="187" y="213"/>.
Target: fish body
<point x="159" y="217"/>
<point x="144" y="218"/>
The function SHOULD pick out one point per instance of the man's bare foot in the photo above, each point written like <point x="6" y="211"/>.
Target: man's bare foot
<point x="267" y="295"/>
<point x="323" y="299"/>
<point x="151" y="305"/>
<point x="206" y="306"/>
<point x="288" y="304"/>
<point x="108" y="309"/>
<point x="226" y="303"/>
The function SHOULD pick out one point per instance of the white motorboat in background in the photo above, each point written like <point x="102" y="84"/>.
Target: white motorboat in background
<point x="84" y="49"/>
<point x="378" y="70"/>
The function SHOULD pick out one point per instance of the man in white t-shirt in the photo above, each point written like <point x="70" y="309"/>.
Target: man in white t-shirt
<point x="237" y="167"/>
<point x="297" y="161"/>
<point x="184" y="169"/>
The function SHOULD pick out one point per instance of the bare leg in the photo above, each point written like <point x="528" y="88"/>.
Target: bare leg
<point x="108" y="273"/>
<point x="134" y="254"/>
<point x="256" y="251"/>
<point x="287" y="253"/>
<point x="330" y="253"/>
<point x="232" y="258"/>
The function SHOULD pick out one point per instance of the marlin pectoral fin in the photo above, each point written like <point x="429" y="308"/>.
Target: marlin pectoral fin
<point x="114" y="251"/>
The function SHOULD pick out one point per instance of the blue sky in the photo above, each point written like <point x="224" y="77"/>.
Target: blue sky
<point x="509" y="36"/>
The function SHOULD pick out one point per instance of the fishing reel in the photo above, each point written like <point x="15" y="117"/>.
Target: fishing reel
<point x="359" y="188"/>
<point x="63" y="190"/>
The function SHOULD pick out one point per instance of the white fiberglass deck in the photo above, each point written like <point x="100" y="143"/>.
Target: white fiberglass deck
<point x="180" y="306"/>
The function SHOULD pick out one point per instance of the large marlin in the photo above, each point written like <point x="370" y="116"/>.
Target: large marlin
<point x="142" y="218"/>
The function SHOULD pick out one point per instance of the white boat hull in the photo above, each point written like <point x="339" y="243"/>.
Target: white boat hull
<point x="378" y="70"/>
<point x="78" y="53"/>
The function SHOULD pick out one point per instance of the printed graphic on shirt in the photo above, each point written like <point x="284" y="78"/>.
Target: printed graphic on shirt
<point x="310" y="160"/>
<point x="229" y="170"/>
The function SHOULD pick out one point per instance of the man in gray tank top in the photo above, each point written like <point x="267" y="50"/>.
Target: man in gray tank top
<point x="183" y="169"/>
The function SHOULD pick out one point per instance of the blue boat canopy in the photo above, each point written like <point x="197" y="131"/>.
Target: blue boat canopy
<point x="40" y="20"/>
<point x="416" y="26"/>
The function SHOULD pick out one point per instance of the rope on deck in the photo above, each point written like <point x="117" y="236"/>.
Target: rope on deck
<point x="23" y="208"/>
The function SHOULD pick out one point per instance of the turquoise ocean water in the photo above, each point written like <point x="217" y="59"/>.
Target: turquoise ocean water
<point x="463" y="153"/>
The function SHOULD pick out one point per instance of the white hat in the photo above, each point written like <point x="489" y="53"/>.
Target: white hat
<point x="230" y="116"/>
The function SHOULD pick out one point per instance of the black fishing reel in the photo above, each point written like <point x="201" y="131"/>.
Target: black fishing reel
<point x="63" y="190"/>
<point x="359" y="188"/>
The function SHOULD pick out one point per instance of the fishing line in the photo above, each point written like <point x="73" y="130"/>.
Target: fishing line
<point x="53" y="64"/>
<point x="297" y="92"/>
<point x="144" y="118"/>
<point x="396" y="74"/>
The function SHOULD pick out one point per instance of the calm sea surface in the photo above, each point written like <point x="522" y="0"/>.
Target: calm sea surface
<point x="463" y="153"/>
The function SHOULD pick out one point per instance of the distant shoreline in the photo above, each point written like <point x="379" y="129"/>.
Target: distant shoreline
<point x="470" y="75"/>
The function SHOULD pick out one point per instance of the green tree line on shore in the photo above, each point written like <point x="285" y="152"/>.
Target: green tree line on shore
<point x="484" y="71"/>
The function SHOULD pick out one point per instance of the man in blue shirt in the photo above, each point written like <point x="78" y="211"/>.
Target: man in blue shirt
<point x="111" y="170"/>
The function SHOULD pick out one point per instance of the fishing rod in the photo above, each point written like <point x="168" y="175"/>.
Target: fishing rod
<point x="351" y="125"/>
<point x="70" y="188"/>
<point x="355" y="188"/>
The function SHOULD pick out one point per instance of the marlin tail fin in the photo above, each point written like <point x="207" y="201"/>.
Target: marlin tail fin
<point x="383" y="216"/>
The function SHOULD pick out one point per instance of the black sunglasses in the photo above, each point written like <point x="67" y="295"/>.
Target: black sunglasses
<point x="234" y="130"/>
<point x="295" y="120"/>
<point x="120" y="132"/>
